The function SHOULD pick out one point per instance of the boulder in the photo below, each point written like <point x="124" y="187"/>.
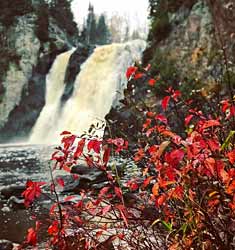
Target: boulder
<point x="6" y="245"/>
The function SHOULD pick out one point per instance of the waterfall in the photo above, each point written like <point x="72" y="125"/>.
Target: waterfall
<point x="98" y="86"/>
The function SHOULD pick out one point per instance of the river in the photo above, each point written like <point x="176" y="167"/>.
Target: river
<point x="19" y="163"/>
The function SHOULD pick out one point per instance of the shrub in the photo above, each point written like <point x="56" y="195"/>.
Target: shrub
<point x="183" y="198"/>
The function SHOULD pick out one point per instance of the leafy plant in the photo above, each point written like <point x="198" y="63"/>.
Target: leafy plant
<point x="183" y="197"/>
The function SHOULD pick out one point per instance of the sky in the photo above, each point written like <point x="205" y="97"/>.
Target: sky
<point x="137" y="10"/>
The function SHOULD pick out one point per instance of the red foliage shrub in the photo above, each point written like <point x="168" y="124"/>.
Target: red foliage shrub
<point x="184" y="197"/>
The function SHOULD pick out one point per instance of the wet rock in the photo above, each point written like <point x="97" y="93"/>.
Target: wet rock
<point x="12" y="190"/>
<point x="15" y="203"/>
<point x="89" y="174"/>
<point x="6" y="209"/>
<point x="6" y="245"/>
<point x="70" y="182"/>
<point x="78" y="57"/>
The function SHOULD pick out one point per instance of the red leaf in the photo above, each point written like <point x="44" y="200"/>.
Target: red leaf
<point x="32" y="192"/>
<point x="155" y="189"/>
<point x="165" y="102"/>
<point x="188" y="119"/>
<point x="147" y="181"/>
<point x="174" y="157"/>
<point x="160" y="200"/>
<point x="161" y="118"/>
<point x="78" y="220"/>
<point x="95" y="145"/>
<point x="54" y="228"/>
<point x="66" y="168"/>
<point x="99" y="233"/>
<point x="231" y="156"/>
<point x="210" y="123"/>
<point x="147" y="123"/>
<point x="68" y="141"/>
<point x="123" y="213"/>
<point x="60" y="181"/>
<point x="31" y="237"/>
<point x="225" y="105"/>
<point x="79" y="149"/>
<point x="54" y="157"/>
<point x="150" y="114"/>
<point x="176" y="94"/>
<point x="118" y="192"/>
<point x="210" y="164"/>
<point x="231" y="111"/>
<point x="231" y="188"/>
<point x="139" y="155"/>
<point x="138" y="75"/>
<point x="120" y="143"/>
<point x="130" y="72"/>
<point x="52" y="209"/>
<point x="106" y="155"/>
<point x="133" y="186"/>
<point x="213" y="144"/>
<point x="65" y="133"/>
<point x="152" y="82"/>
<point x="106" y="209"/>
<point x="178" y="193"/>
<point x="222" y="172"/>
<point x="103" y="191"/>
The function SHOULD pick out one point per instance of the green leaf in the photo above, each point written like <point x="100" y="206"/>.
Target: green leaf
<point x="168" y="226"/>
<point x="184" y="228"/>
<point x="228" y="139"/>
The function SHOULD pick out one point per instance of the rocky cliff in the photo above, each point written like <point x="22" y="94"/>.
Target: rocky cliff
<point x="188" y="40"/>
<point x="30" y="41"/>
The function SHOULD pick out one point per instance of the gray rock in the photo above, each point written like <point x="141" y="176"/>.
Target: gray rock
<point x="15" y="203"/>
<point x="89" y="174"/>
<point x="12" y="190"/>
<point x="70" y="183"/>
<point x="6" y="245"/>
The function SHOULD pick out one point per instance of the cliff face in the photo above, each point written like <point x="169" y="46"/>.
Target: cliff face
<point x="26" y="57"/>
<point x="188" y="38"/>
<point x="190" y="41"/>
<point x="20" y="37"/>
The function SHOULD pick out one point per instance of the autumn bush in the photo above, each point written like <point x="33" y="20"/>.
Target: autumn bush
<point x="183" y="197"/>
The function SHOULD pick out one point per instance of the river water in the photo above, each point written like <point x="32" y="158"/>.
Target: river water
<point x="19" y="163"/>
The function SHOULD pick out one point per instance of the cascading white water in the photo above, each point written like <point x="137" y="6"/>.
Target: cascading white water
<point x="54" y="90"/>
<point x="97" y="87"/>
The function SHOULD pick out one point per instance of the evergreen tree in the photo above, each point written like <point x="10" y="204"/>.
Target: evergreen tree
<point x="42" y="22"/>
<point x="127" y="34"/>
<point x="61" y="11"/>
<point x="91" y="26"/>
<point x="83" y="34"/>
<point x="135" y="35"/>
<point x="102" y="32"/>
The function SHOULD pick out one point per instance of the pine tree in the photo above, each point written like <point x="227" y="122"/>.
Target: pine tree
<point x="135" y="35"/>
<point x="91" y="26"/>
<point x="42" y="22"/>
<point x="102" y="31"/>
<point x="127" y="34"/>
<point x="61" y="11"/>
